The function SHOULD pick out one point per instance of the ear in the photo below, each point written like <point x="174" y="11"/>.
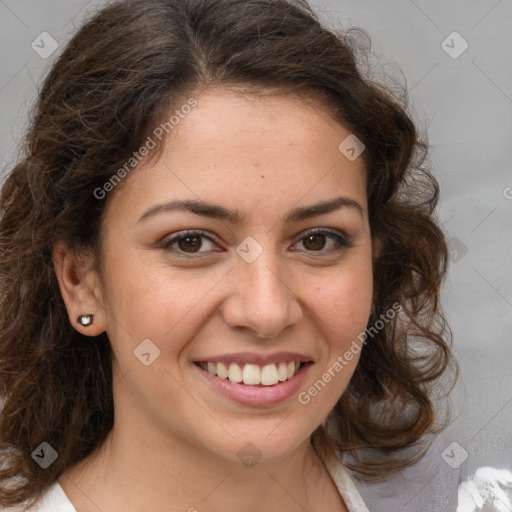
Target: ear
<point x="80" y="288"/>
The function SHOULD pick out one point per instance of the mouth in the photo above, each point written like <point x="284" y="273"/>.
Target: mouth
<point x="254" y="379"/>
<point x="259" y="383"/>
<point x="250" y="374"/>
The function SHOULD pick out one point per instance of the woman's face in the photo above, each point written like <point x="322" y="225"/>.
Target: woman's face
<point x="256" y="289"/>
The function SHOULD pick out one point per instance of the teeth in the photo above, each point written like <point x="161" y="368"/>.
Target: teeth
<point x="252" y="374"/>
<point x="222" y="371"/>
<point x="282" y="372"/>
<point x="269" y="375"/>
<point x="235" y="373"/>
<point x="290" y="367"/>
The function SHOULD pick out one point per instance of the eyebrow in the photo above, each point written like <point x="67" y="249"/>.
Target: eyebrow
<point x="215" y="211"/>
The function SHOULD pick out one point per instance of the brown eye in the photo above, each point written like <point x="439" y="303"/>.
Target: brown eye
<point x="316" y="241"/>
<point x="187" y="242"/>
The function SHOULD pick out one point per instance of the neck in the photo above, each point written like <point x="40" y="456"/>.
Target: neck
<point x="134" y="470"/>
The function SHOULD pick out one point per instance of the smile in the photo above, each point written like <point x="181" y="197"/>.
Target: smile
<point x="255" y="384"/>
<point x="252" y="374"/>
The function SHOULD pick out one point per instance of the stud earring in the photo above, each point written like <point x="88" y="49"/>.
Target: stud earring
<point x="85" y="320"/>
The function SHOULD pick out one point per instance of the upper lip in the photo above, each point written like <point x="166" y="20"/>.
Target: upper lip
<point x="255" y="358"/>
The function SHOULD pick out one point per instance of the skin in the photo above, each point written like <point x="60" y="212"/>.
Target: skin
<point x="175" y="440"/>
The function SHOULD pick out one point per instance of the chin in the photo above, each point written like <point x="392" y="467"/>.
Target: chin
<point x="271" y="442"/>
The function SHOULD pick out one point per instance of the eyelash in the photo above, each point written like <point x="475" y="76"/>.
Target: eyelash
<point x="344" y="242"/>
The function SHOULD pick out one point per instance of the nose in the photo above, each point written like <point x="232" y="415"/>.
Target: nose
<point x="261" y="298"/>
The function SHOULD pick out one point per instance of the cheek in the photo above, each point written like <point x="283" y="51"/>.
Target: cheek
<point x="342" y="303"/>
<point x="340" y="306"/>
<point x="149" y="304"/>
<point x="147" y="299"/>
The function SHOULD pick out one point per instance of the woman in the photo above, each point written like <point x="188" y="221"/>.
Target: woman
<point x="220" y="270"/>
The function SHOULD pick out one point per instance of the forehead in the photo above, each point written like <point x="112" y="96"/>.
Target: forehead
<point x="255" y="121"/>
<point x="248" y="150"/>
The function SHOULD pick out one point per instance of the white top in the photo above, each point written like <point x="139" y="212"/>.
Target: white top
<point x="55" y="499"/>
<point x="345" y="484"/>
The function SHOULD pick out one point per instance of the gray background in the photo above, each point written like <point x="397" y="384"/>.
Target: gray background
<point x="465" y="104"/>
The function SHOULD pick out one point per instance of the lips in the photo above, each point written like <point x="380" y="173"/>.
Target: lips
<point x="255" y="395"/>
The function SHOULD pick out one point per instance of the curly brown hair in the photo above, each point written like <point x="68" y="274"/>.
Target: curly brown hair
<point x="114" y="82"/>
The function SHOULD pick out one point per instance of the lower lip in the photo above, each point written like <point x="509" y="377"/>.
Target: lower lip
<point x="256" y="395"/>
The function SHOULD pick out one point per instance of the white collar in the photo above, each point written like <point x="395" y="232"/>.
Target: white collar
<point x="345" y="484"/>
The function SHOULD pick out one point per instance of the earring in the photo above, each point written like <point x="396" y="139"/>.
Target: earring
<point x="85" y="320"/>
